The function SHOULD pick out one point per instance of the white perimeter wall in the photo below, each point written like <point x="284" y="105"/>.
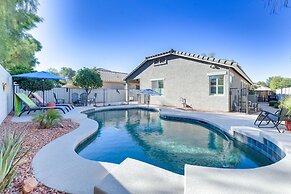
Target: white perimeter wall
<point x="5" y="96"/>
<point x="111" y="95"/>
<point x="286" y="91"/>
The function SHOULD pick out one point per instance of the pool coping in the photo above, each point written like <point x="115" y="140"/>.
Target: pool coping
<point x="53" y="166"/>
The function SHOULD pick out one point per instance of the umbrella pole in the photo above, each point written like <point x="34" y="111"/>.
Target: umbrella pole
<point x="43" y="92"/>
<point x="148" y="101"/>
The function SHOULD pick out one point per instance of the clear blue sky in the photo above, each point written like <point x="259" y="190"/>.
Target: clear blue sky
<point x="117" y="34"/>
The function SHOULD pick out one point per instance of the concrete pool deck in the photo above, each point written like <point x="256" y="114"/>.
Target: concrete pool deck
<point x="57" y="165"/>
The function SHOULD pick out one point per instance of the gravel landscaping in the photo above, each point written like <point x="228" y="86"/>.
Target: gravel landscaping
<point x="35" y="139"/>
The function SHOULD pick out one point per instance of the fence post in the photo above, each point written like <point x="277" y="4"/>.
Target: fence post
<point x="104" y="96"/>
<point x="126" y="93"/>
<point x="247" y="100"/>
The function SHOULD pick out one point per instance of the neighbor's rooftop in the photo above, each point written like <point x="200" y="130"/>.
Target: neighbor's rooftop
<point x="111" y="76"/>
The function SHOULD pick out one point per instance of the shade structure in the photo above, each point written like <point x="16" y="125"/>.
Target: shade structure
<point x="42" y="75"/>
<point x="71" y="86"/>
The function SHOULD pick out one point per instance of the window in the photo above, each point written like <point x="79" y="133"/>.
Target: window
<point x="160" y="61"/>
<point x="216" y="85"/>
<point x="158" y="86"/>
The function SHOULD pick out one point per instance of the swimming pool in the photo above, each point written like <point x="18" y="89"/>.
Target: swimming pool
<point x="169" y="144"/>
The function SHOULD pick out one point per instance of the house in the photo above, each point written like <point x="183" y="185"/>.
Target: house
<point x="112" y="79"/>
<point x="190" y="80"/>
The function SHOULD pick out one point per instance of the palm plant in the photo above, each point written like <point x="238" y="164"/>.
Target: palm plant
<point x="10" y="157"/>
<point x="48" y="119"/>
<point x="286" y="103"/>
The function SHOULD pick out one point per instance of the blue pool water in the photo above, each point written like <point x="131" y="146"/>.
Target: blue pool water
<point x="143" y="135"/>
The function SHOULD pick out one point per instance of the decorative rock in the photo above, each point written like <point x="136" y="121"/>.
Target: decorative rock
<point x="29" y="185"/>
<point x="22" y="161"/>
<point x="37" y="139"/>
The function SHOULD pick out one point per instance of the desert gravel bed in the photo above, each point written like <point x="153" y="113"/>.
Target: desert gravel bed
<point x="35" y="139"/>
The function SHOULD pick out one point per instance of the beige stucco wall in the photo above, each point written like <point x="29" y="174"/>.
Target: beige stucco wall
<point x="6" y="96"/>
<point x="113" y="85"/>
<point x="189" y="79"/>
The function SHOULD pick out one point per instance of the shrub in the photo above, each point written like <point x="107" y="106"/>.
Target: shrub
<point x="276" y="104"/>
<point x="10" y="157"/>
<point x="48" y="119"/>
<point x="272" y="102"/>
<point x="286" y="103"/>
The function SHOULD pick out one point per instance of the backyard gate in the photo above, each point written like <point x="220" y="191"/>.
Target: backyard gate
<point x="239" y="100"/>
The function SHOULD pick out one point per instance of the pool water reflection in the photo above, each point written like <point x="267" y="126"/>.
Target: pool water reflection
<point x="143" y="135"/>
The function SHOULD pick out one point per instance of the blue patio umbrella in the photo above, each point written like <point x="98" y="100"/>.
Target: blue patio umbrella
<point x="149" y="92"/>
<point x="42" y="75"/>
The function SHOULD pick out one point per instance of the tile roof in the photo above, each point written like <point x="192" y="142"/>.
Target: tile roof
<point x="202" y="58"/>
<point x="111" y="76"/>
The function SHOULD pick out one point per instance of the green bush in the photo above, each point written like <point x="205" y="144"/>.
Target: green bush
<point x="10" y="157"/>
<point x="276" y="104"/>
<point x="272" y="102"/>
<point x="286" y="103"/>
<point x="48" y="119"/>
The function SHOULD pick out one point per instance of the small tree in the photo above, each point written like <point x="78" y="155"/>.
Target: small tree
<point x="88" y="79"/>
<point x="262" y="83"/>
<point x="53" y="71"/>
<point x="68" y="73"/>
<point x="277" y="82"/>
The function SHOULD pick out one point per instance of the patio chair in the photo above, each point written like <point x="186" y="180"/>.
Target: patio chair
<point x="25" y="104"/>
<point x="236" y="107"/>
<point x="84" y="99"/>
<point x="75" y="99"/>
<point x="266" y="118"/>
<point x="59" y="100"/>
<point x="41" y="101"/>
<point x="93" y="100"/>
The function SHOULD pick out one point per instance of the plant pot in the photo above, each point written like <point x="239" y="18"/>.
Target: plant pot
<point x="288" y="125"/>
<point x="51" y="104"/>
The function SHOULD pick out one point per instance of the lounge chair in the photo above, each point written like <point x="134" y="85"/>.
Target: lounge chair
<point x="266" y="118"/>
<point x="25" y="104"/>
<point x="41" y="101"/>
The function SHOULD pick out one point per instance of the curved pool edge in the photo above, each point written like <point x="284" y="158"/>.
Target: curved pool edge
<point x="57" y="165"/>
<point x="63" y="169"/>
<point x="253" y="137"/>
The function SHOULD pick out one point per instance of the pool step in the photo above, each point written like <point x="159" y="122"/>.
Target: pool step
<point x="133" y="176"/>
<point x="110" y="167"/>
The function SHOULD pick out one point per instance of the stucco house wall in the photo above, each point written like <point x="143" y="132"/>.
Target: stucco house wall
<point x="6" y="94"/>
<point x="189" y="79"/>
<point x="113" y="85"/>
<point x="187" y="76"/>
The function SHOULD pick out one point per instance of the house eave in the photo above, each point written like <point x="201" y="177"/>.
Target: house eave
<point x="199" y="58"/>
